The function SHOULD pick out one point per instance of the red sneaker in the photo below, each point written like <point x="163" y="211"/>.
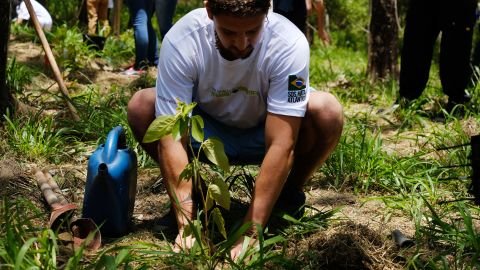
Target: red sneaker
<point x="131" y="71"/>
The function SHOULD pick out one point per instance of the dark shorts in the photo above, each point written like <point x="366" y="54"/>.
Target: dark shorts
<point x="242" y="146"/>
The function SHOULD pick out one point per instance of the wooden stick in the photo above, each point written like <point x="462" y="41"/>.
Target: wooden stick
<point x="117" y="8"/>
<point x="51" y="60"/>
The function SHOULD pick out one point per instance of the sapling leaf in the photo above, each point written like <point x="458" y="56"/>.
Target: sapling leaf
<point x="209" y="200"/>
<point x="213" y="149"/>
<point x="185" y="109"/>
<point x="187" y="173"/>
<point x="159" y="128"/>
<point x="176" y="132"/>
<point x="219" y="191"/>
<point x="219" y="221"/>
<point x="197" y="128"/>
<point x="192" y="228"/>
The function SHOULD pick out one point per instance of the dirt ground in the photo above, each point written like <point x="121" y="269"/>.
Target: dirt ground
<point x="358" y="238"/>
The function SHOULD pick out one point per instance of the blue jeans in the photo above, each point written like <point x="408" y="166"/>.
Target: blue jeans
<point x="242" y="146"/>
<point x="164" y="10"/>
<point x="146" y="50"/>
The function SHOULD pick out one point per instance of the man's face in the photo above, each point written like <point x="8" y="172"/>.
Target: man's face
<point x="237" y="35"/>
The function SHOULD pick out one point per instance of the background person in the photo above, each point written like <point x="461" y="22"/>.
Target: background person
<point x="97" y="11"/>
<point x="424" y="22"/>
<point x="294" y="10"/>
<point x="321" y="19"/>
<point x="41" y="12"/>
<point x="165" y="10"/>
<point x="146" y="48"/>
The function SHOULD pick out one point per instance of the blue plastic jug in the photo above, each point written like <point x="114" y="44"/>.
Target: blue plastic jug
<point x="111" y="185"/>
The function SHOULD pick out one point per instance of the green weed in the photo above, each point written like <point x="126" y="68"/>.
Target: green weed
<point x="36" y="137"/>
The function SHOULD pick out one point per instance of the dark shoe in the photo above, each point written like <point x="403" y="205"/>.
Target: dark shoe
<point x="291" y="202"/>
<point x="400" y="102"/>
<point x="456" y="106"/>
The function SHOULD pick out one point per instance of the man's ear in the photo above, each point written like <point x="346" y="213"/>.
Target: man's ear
<point x="209" y="11"/>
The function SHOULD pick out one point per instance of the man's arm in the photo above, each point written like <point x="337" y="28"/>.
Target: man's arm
<point x="280" y="138"/>
<point x="172" y="160"/>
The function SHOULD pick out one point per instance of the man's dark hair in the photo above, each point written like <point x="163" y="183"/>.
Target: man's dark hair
<point x="242" y="8"/>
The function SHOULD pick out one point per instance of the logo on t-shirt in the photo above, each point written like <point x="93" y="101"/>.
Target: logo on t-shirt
<point x="296" y="83"/>
<point x="296" y="89"/>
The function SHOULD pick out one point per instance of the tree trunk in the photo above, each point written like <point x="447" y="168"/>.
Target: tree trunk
<point x="383" y="40"/>
<point x="6" y="99"/>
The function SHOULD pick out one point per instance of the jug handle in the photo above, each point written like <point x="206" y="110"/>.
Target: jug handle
<point x="115" y="140"/>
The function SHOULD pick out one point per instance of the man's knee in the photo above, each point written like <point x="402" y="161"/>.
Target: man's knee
<point x="325" y="111"/>
<point x="141" y="105"/>
<point x="141" y="111"/>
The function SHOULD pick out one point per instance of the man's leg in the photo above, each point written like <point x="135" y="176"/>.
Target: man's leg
<point x="319" y="134"/>
<point x="140" y="114"/>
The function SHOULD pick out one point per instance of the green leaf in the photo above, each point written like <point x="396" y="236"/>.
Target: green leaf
<point x="194" y="227"/>
<point x="187" y="173"/>
<point x="197" y="128"/>
<point x="213" y="149"/>
<point x="160" y="127"/>
<point x="209" y="201"/>
<point x="22" y="252"/>
<point x="219" y="191"/>
<point x="186" y="109"/>
<point x="219" y="221"/>
<point x="176" y="130"/>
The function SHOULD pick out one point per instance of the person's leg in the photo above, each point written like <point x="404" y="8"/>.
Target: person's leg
<point x="139" y="13"/>
<point x="421" y="31"/>
<point x="103" y="17"/>
<point x="319" y="134"/>
<point x="152" y="35"/>
<point x="295" y="11"/>
<point x="92" y="16"/>
<point x="164" y="10"/>
<point x="140" y="114"/>
<point x="456" y="46"/>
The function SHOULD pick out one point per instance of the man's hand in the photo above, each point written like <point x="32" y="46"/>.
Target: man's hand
<point x="183" y="243"/>
<point x="243" y="243"/>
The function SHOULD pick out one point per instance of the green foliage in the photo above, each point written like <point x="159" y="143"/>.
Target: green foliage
<point x="36" y="137"/>
<point x="359" y="159"/>
<point x="18" y="76"/>
<point x="454" y="230"/>
<point x="71" y="52"/>
<point x="22" y="244"/>
<point x="64" y="11"/>
<point x="349" y="21"/>
<point x="119" y="49"/>
<point x="23" y="32"/>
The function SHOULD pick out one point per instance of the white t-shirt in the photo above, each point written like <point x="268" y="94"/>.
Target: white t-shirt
<point x="43" y="16"/>
<point x="238" y="93"/>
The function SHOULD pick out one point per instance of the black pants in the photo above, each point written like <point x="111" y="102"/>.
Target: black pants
<point x="425" y="20"/>
<point x="294" y="10"/>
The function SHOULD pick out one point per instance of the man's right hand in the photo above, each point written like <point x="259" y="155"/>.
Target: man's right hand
<point x="183" y="243"/>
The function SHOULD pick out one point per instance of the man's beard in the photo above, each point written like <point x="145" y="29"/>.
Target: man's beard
<point x="229" y="54"/>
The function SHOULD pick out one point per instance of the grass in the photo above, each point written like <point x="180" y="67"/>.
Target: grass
<point x="393" y="157"/>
